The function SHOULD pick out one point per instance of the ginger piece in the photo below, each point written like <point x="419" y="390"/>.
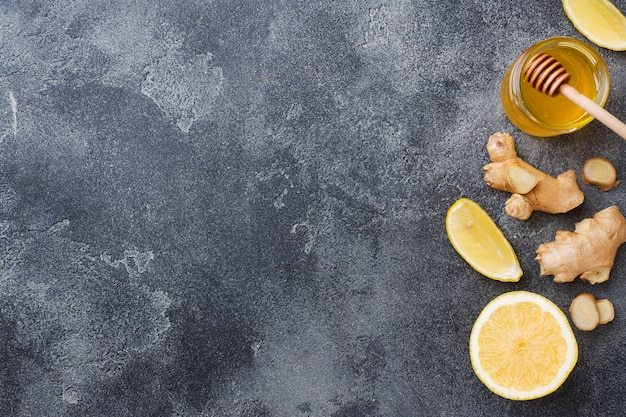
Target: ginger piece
<point x="587" y="312"/>
<point x="588" y="251"/>
<point x="606" y="310"/>
<point x="584" y="312"/>
<point x="532" y="189"/>
<point x="600" y="172"/>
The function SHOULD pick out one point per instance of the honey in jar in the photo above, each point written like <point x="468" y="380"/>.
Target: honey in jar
<point x="537" y="113"/>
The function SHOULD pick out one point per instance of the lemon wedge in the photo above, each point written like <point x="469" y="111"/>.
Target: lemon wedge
<point x="599" y="21"/>
<point x="479" y="241"/>
<point x="522" y="346"/>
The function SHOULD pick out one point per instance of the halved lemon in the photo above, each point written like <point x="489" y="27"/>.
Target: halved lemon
<point x="479" y="241"/>
<point x="599" y="21"/>
<point x="522" y="346"/>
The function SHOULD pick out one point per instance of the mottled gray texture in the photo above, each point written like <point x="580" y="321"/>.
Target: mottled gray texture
<point x="236" y="208"/>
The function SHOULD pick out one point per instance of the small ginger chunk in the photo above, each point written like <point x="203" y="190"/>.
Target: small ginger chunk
<point x="606" y="310"/>
<point x="587" y="312"/>
<point x="584" y="312"/>
<point x="600" y="172"/>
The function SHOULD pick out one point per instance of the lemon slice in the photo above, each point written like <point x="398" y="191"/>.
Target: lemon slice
<point x="599" y="20"/>
<point x="522" y="346"/>
<point x="479" y="241"/>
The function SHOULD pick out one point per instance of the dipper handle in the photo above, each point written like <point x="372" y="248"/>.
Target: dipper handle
<point x="594" y="109"/>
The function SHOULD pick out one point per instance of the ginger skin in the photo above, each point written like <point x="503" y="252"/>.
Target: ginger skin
<point x="533" y="190"/>
<point x="588" y="251"/>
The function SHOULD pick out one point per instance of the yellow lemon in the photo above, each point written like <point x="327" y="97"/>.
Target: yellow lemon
<point x="479" y="241"/>
<point x="599" y="20"/>
<point x="522" y="346"/>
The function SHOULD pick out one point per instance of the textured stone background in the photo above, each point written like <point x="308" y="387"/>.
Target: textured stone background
<point x="236" y="208"/>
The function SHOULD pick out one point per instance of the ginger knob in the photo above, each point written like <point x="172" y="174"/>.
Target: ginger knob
<point x="589" y="251"/>
<point x="532" y="189"/>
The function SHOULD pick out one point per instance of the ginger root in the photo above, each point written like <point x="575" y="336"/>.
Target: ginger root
<point x="533" y="190"/>
<point x="587" y="312"/>
<point x="606" y="310"/>
<point x="584" y="312"/>
<point x="588" y="251"/>
<point x="601" y="173"/>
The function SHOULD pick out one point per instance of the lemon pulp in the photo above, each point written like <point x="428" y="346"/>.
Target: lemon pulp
<point x="479" y="241"/>
<point x="522" y="346"/>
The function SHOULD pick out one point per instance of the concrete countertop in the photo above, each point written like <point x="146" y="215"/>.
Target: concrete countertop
<point x="237" y="208"/>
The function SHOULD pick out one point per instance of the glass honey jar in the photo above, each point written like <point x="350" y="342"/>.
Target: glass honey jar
<point x="537" y="113"/>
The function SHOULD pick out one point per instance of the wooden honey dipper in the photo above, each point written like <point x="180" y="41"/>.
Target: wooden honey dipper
<point x="546" y="74"/>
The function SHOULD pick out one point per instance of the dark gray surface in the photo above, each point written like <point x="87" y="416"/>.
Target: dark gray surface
<point x="236" y="208"/>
